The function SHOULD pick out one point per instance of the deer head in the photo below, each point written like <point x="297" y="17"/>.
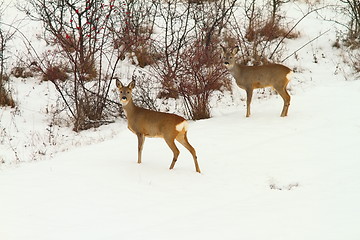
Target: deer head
<point x="125" y="92"/>
<point x="229" y="56"/>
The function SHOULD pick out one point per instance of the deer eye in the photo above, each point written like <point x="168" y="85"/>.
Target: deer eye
<point x="128" y="92"/>
<point x="120" y="91"/>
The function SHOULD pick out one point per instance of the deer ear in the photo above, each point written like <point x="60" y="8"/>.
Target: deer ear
<point x="235" y="50"/>
<point x="119" y="84"/>
<point x="223" y="48"/>
<point x="131" y="84"/>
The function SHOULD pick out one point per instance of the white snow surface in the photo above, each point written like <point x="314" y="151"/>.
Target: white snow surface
<point x="263" y="177"/>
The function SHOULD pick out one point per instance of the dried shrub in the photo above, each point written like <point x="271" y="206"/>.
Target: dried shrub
<point x="81" y="34"/>
<point x="135" y="44"/>
<point x="25" y="68"/>
<point x="190" y="68"/>
<point x="273" y="30"/>
<point x="336" y="44"/>
<point x="88" y="70"/>
<point x="352" y="58"/>
<point x="53" y="73"/>
<point x="67" y="43"/>
<point x="133" y="28"/>
<point x="261" y="35"/>
<point x="350" y="39"/>
<point x="200" y="1"/>
<point x="268" y="30"/>
<point x="145" y="94"/>
<point x="87" y="112"/>
<point x="17" y="71"/>
<point x="145" y="56"/>
<point x="5" y="98"/>
<point x="22" y="72"/>
<point x="203" y="76"/>
<point x="169" y="88"/>
<point x="357" y="64"/>
<point x="4" y="77"/>
<point x="199" y="74"/>
<point x="352" y="10"/>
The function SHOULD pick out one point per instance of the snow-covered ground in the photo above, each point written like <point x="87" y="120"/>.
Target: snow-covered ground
<point x="263" y="177"/>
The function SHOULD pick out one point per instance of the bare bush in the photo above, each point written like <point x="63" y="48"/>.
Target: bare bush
<point x="132" y="28"/>
<point x="261" y="28"/>
<point x="351" y="39"/>
<point x="81" y="32"/>
<point x="352" y="9"/>
<point x="5" y="95"/>
<point x="6" y="98"/>
<point x="145" y="94"/>
<point x="190" y="67"/>
<point x="202" y="75"/>
<point x="54" y="73"/>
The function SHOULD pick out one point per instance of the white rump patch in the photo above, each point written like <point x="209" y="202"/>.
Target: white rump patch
<point x="183" y="125"/>
<point x="288" y="76"/>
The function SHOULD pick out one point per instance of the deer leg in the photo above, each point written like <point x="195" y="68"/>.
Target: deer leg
<point x="286" y="97"/>
<point x="172" y="146"/>
<point x="182" y="138"/>
<point x="249" y="93"/>
<point x="141" y="139"/>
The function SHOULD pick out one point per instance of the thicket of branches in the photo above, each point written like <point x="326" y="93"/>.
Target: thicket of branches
<point x="352" y="10"/>
<point x="5" y="96"/>
<point x="351" y="39"/>
<point x="176" y="41"/>
<point x="82" y="36"/>
<point x="190" y="65"/>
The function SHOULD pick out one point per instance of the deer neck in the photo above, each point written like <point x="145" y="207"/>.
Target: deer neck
<point x="235" y="69"/>
<point x="129" y="109"/>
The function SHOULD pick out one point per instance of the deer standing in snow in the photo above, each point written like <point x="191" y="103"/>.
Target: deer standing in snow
<point x="251" y="77"/>
<point x="148" y="123"/>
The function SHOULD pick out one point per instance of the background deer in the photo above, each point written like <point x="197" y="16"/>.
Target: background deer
<point x="148" y="123"/>
<point x="251" y="77"/>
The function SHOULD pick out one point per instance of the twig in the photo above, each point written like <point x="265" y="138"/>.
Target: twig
<point x="287" y="34"/>
<point x="306" y="44"/>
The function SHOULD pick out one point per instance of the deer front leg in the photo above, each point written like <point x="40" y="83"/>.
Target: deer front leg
<point x="249" y="93"/>
<point x="141" y="139"/>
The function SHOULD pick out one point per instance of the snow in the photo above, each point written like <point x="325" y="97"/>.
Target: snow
<point x="263" y="177"/>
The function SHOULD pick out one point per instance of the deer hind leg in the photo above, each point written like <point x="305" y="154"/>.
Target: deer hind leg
<point x="249" y="93"/>
<point x="286" y="97"/>
<point x="182" y="138"/>
<point x="141" y="139"/>
<point x="170" y="142"/>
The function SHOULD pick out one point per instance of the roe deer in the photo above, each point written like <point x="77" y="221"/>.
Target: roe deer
<point x="251" y="77"/>
<point x="148" y="123"/>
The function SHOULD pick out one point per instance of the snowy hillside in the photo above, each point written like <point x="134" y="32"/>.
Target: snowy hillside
<point x="263" y="177"/>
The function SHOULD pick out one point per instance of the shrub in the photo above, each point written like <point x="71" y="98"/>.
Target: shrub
<point x="273" y="30"/>
<point x="352" y="9"/>
<point x="53" y="73"/>
<point x="203" y="74"/>
<point x="5" y="98"/>
<point x="199" y="74"/>
<point x="133" y="28"/>
<point x="22" y="72"/>
<point x="190" y="68"/>
<point x="258" y="32"/>
<point x="80" y="33"/>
